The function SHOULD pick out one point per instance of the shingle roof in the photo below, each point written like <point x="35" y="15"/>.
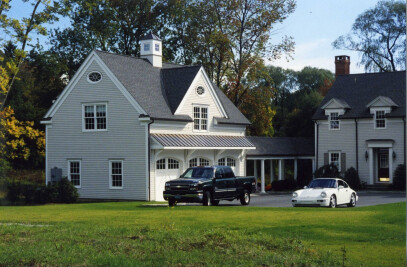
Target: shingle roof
<point x="358" y="90"/>
<point x="160" y="90"/>
<point x="207" y="141"/>
<point x="150" y="36"/>
<point x="281" y="146"/>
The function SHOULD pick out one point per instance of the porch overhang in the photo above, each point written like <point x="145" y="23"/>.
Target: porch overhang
<point x="205" y="142"/>
<point x="382" y="143"/>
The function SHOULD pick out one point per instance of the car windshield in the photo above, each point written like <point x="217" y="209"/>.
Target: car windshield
<point x="198" y="173"/>
<point x="322" y="183"/>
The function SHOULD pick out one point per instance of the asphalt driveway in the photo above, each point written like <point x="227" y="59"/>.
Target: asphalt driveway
<point x="366" y="198"/>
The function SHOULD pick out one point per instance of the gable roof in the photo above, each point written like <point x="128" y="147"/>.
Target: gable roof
<point x="358" y="90"/>
<point x="384" y="100"/>
<point x="339" y="102"/>
<point x="159" y="91"/>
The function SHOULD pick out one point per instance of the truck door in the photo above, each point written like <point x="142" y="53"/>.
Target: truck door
<point x="220" y="184"/>
<point x="231" y="181"/>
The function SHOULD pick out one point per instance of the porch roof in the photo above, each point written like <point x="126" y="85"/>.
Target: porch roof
<point x="281" y="147"/>
<point x="185" y="141"/>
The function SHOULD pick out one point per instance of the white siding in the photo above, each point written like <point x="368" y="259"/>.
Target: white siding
<point x="124" y="139"/>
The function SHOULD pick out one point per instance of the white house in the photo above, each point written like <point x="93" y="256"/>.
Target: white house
<point x="361" y="123"/>
<point x="125" y="125"/>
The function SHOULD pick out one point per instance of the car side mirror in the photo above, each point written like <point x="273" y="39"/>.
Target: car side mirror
<point x="305" y="187"/>
<point x="341" y="187"/>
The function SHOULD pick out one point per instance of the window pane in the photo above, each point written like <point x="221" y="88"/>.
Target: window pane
<point x="173" y="164"/>
<point x="335" y="159"/>
<point x="221" y="162"/>
<point x="74" y="172"/>
<point x="117" y="176"/>
<point x="203" y="162"/>
<point x="89" y="111"/>
<point x="157" y="47"/>
<point x="193" y="162"/>
<point x="161" y="164"/>
<point x="89" y="123"/>
<point x="334" y="120"/>
<point x="231" y="162"/>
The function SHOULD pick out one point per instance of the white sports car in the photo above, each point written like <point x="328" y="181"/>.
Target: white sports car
<point x="326" y="192"/>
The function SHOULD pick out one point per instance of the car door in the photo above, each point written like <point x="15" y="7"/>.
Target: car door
<point x="342" y="194"/>
<point x="220" y="184"/>
<point x="231" y="181"/>
<point x="348" y="191"/>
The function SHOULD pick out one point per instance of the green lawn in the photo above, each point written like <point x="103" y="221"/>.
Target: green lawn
<point x="128" y="234"/>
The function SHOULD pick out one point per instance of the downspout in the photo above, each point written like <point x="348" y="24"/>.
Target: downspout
<point x="357" y="146"/>
<point x="316" y="145"/>
<point x="404" y="121"/>
<point x="149" y="156"/>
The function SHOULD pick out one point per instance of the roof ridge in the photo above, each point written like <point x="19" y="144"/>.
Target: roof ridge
<point x="370" y="73"/>
<point x="182" y="66"/>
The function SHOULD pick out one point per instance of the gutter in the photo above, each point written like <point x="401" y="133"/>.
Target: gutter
<point x="149" y="156"/>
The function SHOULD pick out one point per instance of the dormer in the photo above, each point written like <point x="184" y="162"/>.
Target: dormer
<point x="335" y="105"/>
<point x="381" y="103"/>
<point x="151" y="49"/>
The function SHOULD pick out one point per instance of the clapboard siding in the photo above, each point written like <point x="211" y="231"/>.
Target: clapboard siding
<point x="124" y="139"/>
<point x="342" y="140"/>
<point x="394" y="130"/>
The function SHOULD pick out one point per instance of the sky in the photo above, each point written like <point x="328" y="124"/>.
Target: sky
<point x="314" y="25"/>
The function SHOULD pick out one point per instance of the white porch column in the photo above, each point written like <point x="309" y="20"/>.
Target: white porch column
<point x="280" y="169"/>
<point x="371" y="172"/>
<point x="391" y="164"/>
<point x="263" y="188"/>
<point x="295" y="170"/>
<point x="271" y="171"/>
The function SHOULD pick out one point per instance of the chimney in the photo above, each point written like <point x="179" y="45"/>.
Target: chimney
<point x="342" y="64"/>
<point x="151" y="49"/>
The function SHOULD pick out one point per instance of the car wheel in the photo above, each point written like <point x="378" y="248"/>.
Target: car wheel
<point x="352" y="202"/>
<point x="332" y="202"/>
<point x="206" y="198"/>
<point x="214" y="202"/>
<point x="171" y="202"/>
<point x="245" y="198"/>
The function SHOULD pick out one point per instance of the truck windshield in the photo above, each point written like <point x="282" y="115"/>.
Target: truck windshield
<point x="323" y="183"/>
<point x="198" y="173"/>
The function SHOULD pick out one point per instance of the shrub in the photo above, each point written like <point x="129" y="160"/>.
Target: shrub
<point x="399" y="178"/>
<point x="67" y="192"/>
<point x="284" y="185"/>
<point x="328" y="171"/>
<point x="352" y="178"/>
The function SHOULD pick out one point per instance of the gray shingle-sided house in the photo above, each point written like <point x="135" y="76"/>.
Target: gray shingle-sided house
<point x="124" y="126"/>
<point x="361" y="123"/>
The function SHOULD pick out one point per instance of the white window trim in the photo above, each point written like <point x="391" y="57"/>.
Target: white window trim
<point x="329" y="122"/>
<point x="193" y="117"/>
<point x="110" y="174"/>
<point x="374" y="120"/>
<point x="87" y="77"/>
<point x="339" y="159"/>
<point x="80" y="171"/>
<point x="83" y="117"/>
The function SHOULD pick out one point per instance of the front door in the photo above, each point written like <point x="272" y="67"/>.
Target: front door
<point x="383" y="165"/>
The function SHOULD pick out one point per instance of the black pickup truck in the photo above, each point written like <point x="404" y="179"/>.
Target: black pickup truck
<point x="208" y="185"/>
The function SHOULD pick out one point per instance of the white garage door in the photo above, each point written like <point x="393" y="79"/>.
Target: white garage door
<point x="166" y="169"/>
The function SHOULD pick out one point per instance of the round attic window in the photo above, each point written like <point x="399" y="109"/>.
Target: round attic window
<point x="94" y="77"/>
<point x="200" y="90"/>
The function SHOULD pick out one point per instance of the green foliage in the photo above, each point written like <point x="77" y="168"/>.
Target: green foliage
<point x="29" y="192"/>
<point x="399" y="178"/>
<point x="352" y="178"/>
<point x="327" y="171"/>
<point x="284" y="185"/>
<point x="379" y="34"/>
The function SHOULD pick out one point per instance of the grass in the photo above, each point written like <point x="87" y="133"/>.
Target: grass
<point x="128" y="234"/>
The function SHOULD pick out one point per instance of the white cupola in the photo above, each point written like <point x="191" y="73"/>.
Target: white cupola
<point x="151" y="49"/>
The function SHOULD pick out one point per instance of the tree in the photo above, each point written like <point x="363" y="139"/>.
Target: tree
<point x="379" y="34"/>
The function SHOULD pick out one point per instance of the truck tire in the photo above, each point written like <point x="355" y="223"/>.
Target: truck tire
<point x="245" y="198"/>
<point x="171" y="202"/>
<point x="207" y="198"/>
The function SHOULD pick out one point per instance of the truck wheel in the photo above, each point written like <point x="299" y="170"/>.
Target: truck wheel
<point x="245" y="198"/>
<point x="206" y="198"/>
<point x="171" y="202"/>
<point x="215" y="202"/>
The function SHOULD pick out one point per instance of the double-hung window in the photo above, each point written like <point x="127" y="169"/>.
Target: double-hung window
<point x="335" y="158"/>
<point x="94" y="117"/>
<point x="116" y="174"/>
<point x="74" y="172"/>
<point x="334" y="121"/>
<point x="380" y="120"/>
<point x="200" y="118"/>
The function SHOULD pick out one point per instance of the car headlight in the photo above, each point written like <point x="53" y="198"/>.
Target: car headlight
<point x="167" y="186"/>
<point x="193" y="187"/>
<point x="295" y="194"/>
<point x="323" y="194"/>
